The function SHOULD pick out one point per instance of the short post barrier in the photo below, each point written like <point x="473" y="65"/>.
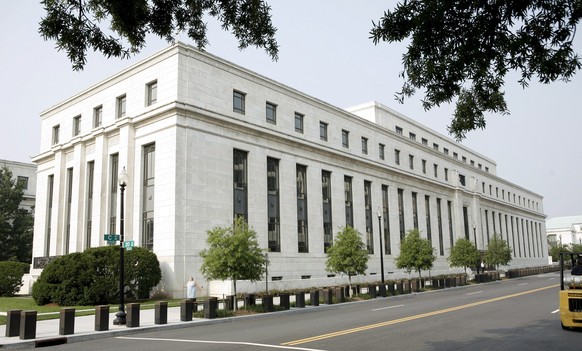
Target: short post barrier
<point x="132" y="315"/>
<point x="27" y="325"/>
<point x="13" y="323"/>
<point x="400" y="287"/>
<point x="382" y="290"/>
<point x="328" y="296"/>
<point x="250" y="300"/>
<point x="268" y="303"/>
<point x="339" y="294"/>
<point x="229" y="302"/>
<point x="186" y="310"/>
<point x="210" y="306"/>
<point x="314" y="297"/>
<point x="67" y="321"/>
<point x="101" y="318"/>
<point x="391" y="290"/>
<point x="161" y="312"/>
<point x="300" y="299"/>
<point x="284" y="301"/>
<point x="372" y="291"/>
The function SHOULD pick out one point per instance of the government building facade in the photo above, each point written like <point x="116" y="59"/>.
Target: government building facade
<point x="204" y="140"/>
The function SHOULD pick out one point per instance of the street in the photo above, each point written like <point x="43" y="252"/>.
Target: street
<point x="514" y="314"/>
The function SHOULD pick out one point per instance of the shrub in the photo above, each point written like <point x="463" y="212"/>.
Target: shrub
<point x="92" y="277"/>
<point x="11" y="277"/>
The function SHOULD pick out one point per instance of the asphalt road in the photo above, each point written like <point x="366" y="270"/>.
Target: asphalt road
<point x="516" y="314"/>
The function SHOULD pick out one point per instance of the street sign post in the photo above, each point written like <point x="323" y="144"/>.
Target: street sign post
<point x="128" y="244"/>
<point x="111" y="237"/>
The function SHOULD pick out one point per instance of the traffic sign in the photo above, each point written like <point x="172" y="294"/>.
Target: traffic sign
<point x="111" y="237"/>
<point x="111" y="242"/>
<point x="128" y="244"/>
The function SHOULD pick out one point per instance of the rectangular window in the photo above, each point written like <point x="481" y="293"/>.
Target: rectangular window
<point x="398" y="130"/>
<point x="450" y="217"/>
<point x="69" y="205"/>
<point x="323" y="131"/>
<point x="113" y="173"/>
<point x="151" y="93"/>
<point x="401" y="213"/>
<point x="397" y="157"/>
<point x="487" y="169"/>
<point x="414" y="210"/>
<point x="446" y="174"/>
<point x="56" y="131"/>
<point x="423" y="166"/>
<point x="440" y="228"/>
<point x="271" y="113"/>
<point x="445" y="151"/>
<point x="424" y="142"/>
<point x="326" y="197"/>
<point x="148" y="192"/>
<point x="49" y="213"/>
<point x="436" y="170"/>
<point x="89" y="209"/>
<point x="381" y="151"/>
<point x="464" y="159"/>
<point x="435" y="146"/>
<point x="386" y="217"/>
<point x="22" y="182"/>
<point x="466" y="222"/>
<point x="238" y="102"/>
<point x="298" y="122"/>
<point x="480" y="166"/>
<point x="369" y="221"/>
<point x="410" y="161"/>
<point x="412" y="136"/>
<point x="462" y="179"/>
<point x="364" y="146"/>
<point x="346" y="139"/>
<point x="487" y="225"/>
<point x="274" y="232"/>
<point x="472" y="163"/>
<point x="97" y="116"/>
<point x="302" y="234"/>
<point x="76" y="125"/>
<point x="427" y="213"/>
<point x="349" y="204"/>
<point x="120" y="106"/>
<point x="455" y="155"/>
<point x="240" y="184"/>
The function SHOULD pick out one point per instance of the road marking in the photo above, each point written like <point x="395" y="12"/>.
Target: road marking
<point x="476" y="292"/>
<point x="385" y="308"/>
<point x="411" y="318"/>
<point x="220" y="342"/>
<point x="556" y="311"/>
<point x="522" y="284"/>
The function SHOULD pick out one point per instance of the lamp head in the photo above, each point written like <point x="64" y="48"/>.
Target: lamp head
<point x="123" y="178"/>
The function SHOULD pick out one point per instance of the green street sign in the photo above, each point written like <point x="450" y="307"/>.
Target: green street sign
<point x="111" y="237"/>
<point x="128" y="244"/>
<point x="111" y="242"/>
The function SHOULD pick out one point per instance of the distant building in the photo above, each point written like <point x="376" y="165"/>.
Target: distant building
<point x="25" y="174"/>
<point x="204" y="140"/>
<point x="566" y="230"/>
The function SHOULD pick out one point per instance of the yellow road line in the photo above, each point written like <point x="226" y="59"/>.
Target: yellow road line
<point x="410" y="318"/>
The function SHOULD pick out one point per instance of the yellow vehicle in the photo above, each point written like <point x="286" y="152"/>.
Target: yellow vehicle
<point x="571" y="292"/>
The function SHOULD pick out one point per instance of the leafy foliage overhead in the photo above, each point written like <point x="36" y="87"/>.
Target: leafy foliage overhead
<point x="119" y="28"/>
<point x="463" y="49"/>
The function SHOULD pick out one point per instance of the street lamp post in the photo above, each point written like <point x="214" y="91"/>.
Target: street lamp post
<point x="475" y="233"/>
<point x="121" y="316"/>
<point x="379" y="213"/>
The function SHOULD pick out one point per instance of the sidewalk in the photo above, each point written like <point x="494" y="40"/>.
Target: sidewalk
<point x="47" y="331"/>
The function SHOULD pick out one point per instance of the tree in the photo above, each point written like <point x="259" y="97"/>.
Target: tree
<point x="555" y="248"/>
<point x="464" y="49"/>
<point x="415" y="253"/>
<point x="76" y="26"/>
<point x="498" y="252"/>
<point x="16" y="224"/>
<point x="233" y="253"/>
<point x="348" y="254"/>
<point x="464" y="254"/>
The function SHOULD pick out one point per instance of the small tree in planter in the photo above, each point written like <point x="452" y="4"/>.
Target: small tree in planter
<point x="416" y="253"/>
<point x="498" y="252"/>
<point x="464" y="254"/>
<point x="233" y="253"/>
<point x="348" y="254"/>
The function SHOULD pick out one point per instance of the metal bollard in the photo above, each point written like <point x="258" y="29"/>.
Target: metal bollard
<point x="161" y="312"/>
<point x="268" y="303"/>
<point x="382" y="290"/>
<point x="67" y="321"/>
<point x="328" y="296"/>
<point x="229" y="302"/>
<point x="13" y="323"/>
<point x="250" y="300"/>
<point x="132" y="320"/>
<point x="284" y="300"/>
<point x="101" y="318"/>
<point x="27" y="325"/>
<point x="300" y="299"/>
<point x="314" y="297"/>
<point x="210" y="306"/>
<point x="186" y="310"/>
<point x="340" y="294"/>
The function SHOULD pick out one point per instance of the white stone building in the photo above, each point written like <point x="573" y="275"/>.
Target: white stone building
<point x="25" y="174"/>
<point x="565" y="230"/>
<point x="204" y="140"/>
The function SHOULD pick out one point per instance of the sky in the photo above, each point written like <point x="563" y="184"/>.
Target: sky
<point x="325" y="52"/>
